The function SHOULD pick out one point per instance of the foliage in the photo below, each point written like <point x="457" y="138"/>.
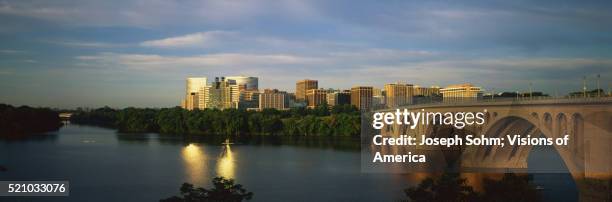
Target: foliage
<point x="222" y="190"/>
<point x="510" y="188"/>
<point x="343" y="120"/>
<point x="18" y="121"/>
<point x="450" y="187"/>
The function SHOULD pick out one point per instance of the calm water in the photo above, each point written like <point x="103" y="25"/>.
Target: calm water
<point x="104" y="166"/>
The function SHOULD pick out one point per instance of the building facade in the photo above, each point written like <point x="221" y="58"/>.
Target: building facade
<point x="302" y="86"/>
<point x="398" y="94"/>
<point x="461" y="92"/>
<point x="193" y="98"/>
<point x="245" y="82"/>
<point x="222" y="94"/>
<point x="426" y="92"/>
<point x="316" y="97"/>
<point x="273" y="99"/>
<point x="361" y="97"/>
<point x="339" y="98"/>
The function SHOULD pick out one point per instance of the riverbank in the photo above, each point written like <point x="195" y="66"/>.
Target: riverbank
<point x="343" y="120"/>
<point x="17" y="122"/>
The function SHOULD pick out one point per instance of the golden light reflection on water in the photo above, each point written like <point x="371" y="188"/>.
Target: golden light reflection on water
<point x="226" y="164"/>
<point x="194" y="160"/>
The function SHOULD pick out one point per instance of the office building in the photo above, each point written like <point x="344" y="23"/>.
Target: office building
<point x="398" y="94"/>
<point x="461" y="92"/>
<point x="222" y="94"/>
<point x="302" y="86"/>
<point x="245" y="82"/>
<point x="361" y="97"/>
<point x="273" y="99"/>
<point x="316" y="97"/>
<point x="339" y="98"/>
<point x="420" y="91"/>
<point x="192" y="92"/>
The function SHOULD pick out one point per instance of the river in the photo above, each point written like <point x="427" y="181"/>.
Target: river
<point x="102" y="165"/>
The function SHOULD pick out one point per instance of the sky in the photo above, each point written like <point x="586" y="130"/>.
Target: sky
<point x="122" y="53"/>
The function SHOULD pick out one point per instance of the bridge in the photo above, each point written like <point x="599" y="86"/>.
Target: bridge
<point x="587" y="121"/>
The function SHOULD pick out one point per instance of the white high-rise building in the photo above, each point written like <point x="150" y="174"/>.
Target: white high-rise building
<point x="194" y="84"/>
<point x="193" y="97"/>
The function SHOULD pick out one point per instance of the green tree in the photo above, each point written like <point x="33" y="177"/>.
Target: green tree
<point x="448" y="187"/>
<point x="222" y="190"/>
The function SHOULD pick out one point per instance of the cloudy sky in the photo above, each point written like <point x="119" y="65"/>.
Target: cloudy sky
<point x="137" y="53"/>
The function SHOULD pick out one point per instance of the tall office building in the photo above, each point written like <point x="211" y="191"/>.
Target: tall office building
<point x="339" y="98"/>
<point x="273" y="99"/>
<point x="193" y="98"/>
<point x="194" y="84"/>
<point x="191" y="101"/>
<point x="461" y="92"/>
<point x="302" y="86"/>
<point x="316" y="97"/>
<point x="222" y="94"/>
<point x="398" y="94"/>
<point x="361" y="97"/>
<point x="245" y="82"/>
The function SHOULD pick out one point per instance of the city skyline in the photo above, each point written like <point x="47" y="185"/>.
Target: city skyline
<point x="127" y="53"/>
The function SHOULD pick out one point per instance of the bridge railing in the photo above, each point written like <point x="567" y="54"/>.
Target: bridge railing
<point x="431" y="102"/>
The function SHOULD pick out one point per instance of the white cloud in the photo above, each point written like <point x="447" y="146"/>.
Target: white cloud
<point x="86" y="44"/>
<point x="10" y="51"/>
<point x="211" y="61"/>
<point x="189" y="40"/>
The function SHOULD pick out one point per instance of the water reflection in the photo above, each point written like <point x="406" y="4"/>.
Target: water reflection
<point x="195" y="164"/>
<point x="226" y="164"/>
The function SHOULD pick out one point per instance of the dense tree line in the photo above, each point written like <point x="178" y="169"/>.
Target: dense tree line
<point x="19" y="121"/>
<point x="342" y="120"/>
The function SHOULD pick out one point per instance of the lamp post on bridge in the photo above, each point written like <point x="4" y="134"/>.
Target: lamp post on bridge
<point x="584" y="88"/>
<point x="530" y="90"/>
<point x="598" y="88"/>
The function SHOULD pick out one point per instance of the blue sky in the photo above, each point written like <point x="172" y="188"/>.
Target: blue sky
<point x="138" y="53"/>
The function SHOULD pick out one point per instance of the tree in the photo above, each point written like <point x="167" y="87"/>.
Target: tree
<point x="222" y="190"/>
<point x="448" y="187"/>
<point x="511" y="187"/>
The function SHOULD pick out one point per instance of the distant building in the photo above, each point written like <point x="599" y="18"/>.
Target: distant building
<point x="248" y="99"/>
<point x="273" y="99"/>
<point x="316" y="97"/>
<point x="190" y="102"/>
<point x="222" y="94"/>
<point x="192" y="92"/>
<point x="339" y="98"/>
<point x="245" y="82"/>
<point x="302" y="86"/>
<point x="398" y="94"/>
<point x="461" y="92"/>
<point x="426" y="92"/>
<point x="361" y="97"/>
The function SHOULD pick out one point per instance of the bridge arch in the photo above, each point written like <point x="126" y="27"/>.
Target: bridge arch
<point x="547" y="120"/>
<point x="561" y="125"/>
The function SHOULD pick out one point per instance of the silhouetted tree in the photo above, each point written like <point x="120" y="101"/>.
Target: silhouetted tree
<point x="222" y="190"/>
<point x="448" y="187"/>
<point x="19" y="121"/>
<point x="511" y="187"/>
